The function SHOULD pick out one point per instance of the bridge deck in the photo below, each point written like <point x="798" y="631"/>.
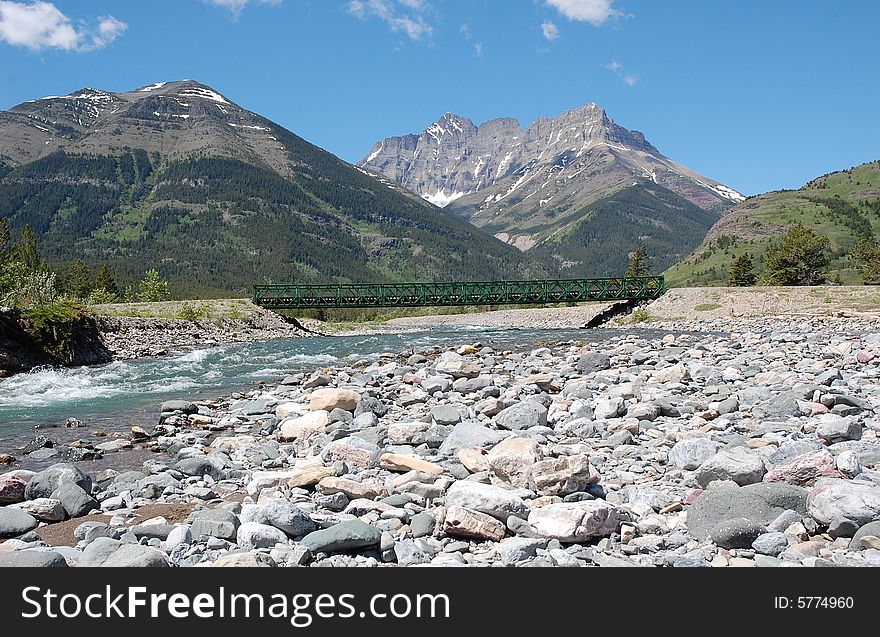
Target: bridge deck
<point x="354" y="295"/>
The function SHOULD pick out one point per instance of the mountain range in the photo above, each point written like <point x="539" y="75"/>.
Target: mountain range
<point x="175" y="175"/>
<point x="560" y="187"/>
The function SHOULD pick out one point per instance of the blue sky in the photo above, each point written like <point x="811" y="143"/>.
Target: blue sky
<point x="758" y="94"/>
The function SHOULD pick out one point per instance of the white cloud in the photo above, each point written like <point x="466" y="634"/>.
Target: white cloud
<point x="40" y="25"/>
<point x="596" y="12"/>
<point x="478" y="49"/>
<point x="235" y="7"/>
<point x="550" y="30"/>
<point x="630" y="79"/>
<point x="403" y="15"/>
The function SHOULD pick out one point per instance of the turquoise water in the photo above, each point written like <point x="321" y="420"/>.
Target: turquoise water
<point x="124" y="393"/>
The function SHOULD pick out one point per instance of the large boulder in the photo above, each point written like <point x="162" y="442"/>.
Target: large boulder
<point x="522" y="415"/>
<point x="577" y="521"/>
<point x="44" y="483"/>
<point x="330" y="398"/>
<point x="486" y="498"/>
<point x="725" y="500"/>
<point x="32" y="559"/>
<point x="75" y="501"/>
<point x="739" y="464"/>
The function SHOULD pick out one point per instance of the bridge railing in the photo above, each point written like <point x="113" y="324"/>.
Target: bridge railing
<point x="356" y="295"/>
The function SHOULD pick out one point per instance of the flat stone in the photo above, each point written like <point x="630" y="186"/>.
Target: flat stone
<point x="474" y="460"/>
<point x="445" y="415"/>
<point x="310" y="476"/>
<point x="244" y="560"/>
<point x="330" y="398"/>
<point x="345" y="536"/>
<point x="576" y="521"/>
<point x="472" y="525"/>
<point x="486" y="498"/>
<point x="218" y="523"/>
<point x="179" y="405"/>
<point x="469" y="434"/>
<point x="351" y="488"/>
<point x="403" y="463"/>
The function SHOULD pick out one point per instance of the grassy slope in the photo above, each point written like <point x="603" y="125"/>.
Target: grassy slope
<point x="755" y="226"/>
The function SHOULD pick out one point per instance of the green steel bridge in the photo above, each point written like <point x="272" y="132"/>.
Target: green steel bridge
<point x="355" y="295"/>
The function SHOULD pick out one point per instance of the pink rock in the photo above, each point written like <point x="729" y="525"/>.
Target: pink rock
<point x="816" y="408"/>
<point x="804" y="469"/>
<point x="11" y="490"/>
<point x="691" y="497"/>
<point x="412" y="379"/>
<point x="806" y="549"/>
<point x="864" y="357"/>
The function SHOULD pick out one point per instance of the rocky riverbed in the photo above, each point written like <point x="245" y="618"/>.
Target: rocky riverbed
<point x="755" y="445"/>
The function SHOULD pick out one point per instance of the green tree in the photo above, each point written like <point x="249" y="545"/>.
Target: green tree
<point x="152" y="288"/>
<point x="27" y="251"/>
<point x="742" y="271"/>
<point x="5" y="236"/>
<point x="79" y="280"/>
<point x="801" y="258"/>
<point x="639" y="262"/>
<point x="867" y="255"/>
<point x="106" y="281"/>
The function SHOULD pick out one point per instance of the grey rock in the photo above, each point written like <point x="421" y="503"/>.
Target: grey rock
<point x="200" y="466"/>
<point x="44" y="509"/>
<point x="217" y="523"/>
<point x="282" y="515"/>
<point x="445" y="415"/>
<point x="691" y="453"/>
<point x="760" y="503"/>
<point x="75" y="501"/>
<point x="522" y="415"/>
<point x="135" y="556"/>
<point x="784" y="520"/>
<point x="514" y="550"/>
<point x="471" y="385"/>
<point x="32" y="559"/>
<point x="738" y="464"/>
<point x="610" y="408"/>
<point x="82" y="531"/>
<point x="152" y="531"/>
<point x="179" y="405"/>
<point x="436" y="383"/>
<point x="592" y="362"/>
<point x="411" y="552"/>
<point x="253" y="535"/>
<point x="469" y="434"/>
<point x="345" y="536"/>
<point x="98" y="551"/>
<point x="871" y="528"/>
<point x="180" y="534"/>
<point x="255" y="407"/>
<point x="45" y="482"/>
<point x="422" y="524"/>
<point x="833" y="428"/>
<point x="857" y="502"/>
<point x="736" y="533"/>
<point x="486" y="498"/>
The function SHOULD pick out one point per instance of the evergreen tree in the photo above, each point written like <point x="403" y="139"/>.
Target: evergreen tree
<point x="742" y="271"/>
<point x="867" y="255"/>
<point x="27" y="251"/>
<point x="801" y="258"/>
<point x="106" y="281"/>
<point x="639" y="262"/>
<point x="153" y="288"/>
<point x="5" y="236"/>
<point x="79" y="280"/>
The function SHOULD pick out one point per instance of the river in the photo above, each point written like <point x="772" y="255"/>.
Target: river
<point x="115" y="396"/>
